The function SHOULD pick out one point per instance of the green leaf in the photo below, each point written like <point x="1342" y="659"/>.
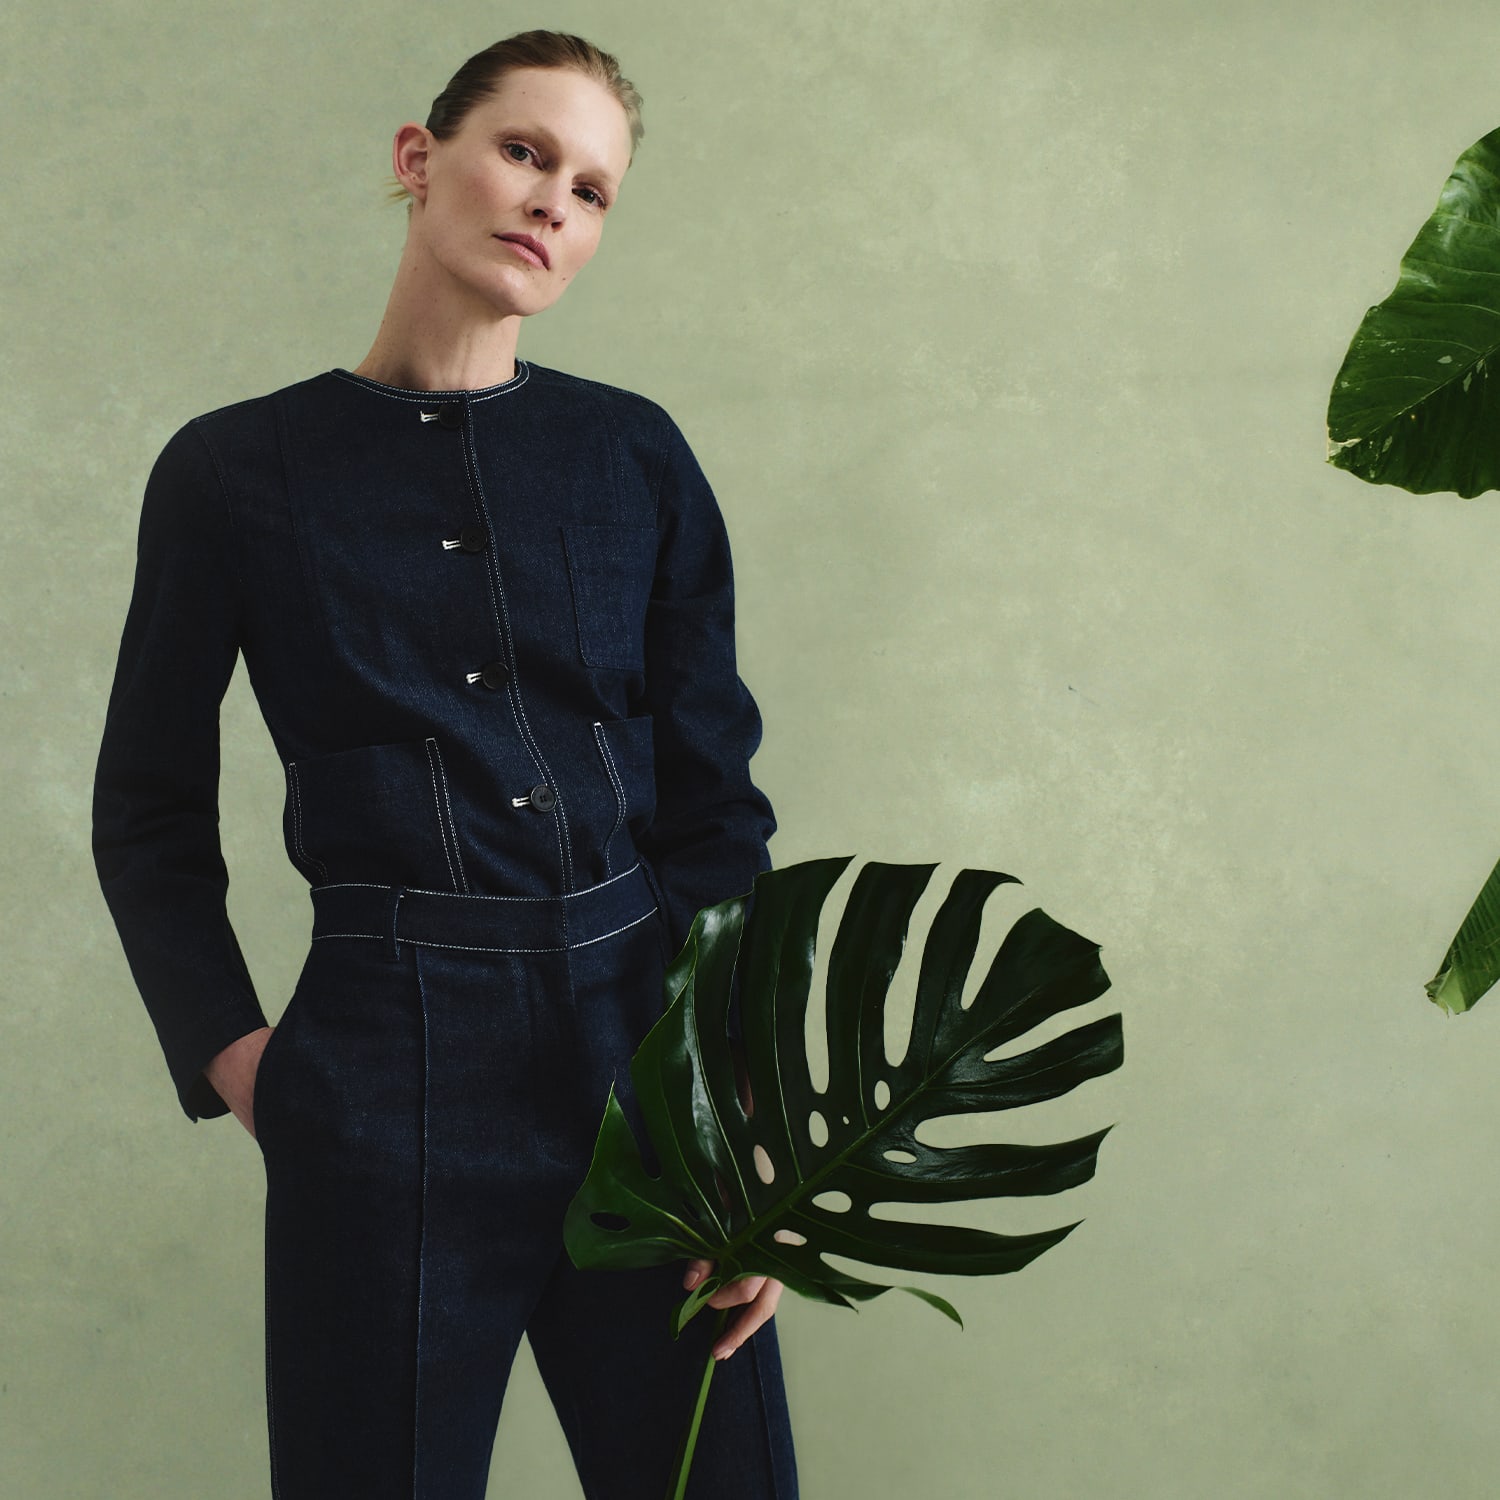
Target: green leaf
<point x="1472" y="962"/>
<point x="856" y="1138"/>
<point x="1416" y="402"/>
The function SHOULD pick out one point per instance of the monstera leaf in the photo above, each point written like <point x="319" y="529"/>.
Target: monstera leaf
<point x="1416" y="402"/>
<point x="749" y="1190"/>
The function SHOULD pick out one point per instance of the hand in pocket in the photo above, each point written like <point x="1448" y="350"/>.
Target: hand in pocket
<point x="233" y="1072"/>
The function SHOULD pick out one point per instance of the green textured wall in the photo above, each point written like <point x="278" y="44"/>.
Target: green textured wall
<point x="1004" y="332"/>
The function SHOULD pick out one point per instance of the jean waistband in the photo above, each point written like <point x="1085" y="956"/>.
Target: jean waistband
<point x="393" y="914"/>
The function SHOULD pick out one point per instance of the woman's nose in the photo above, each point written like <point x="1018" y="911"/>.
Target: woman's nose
<point x="550" y="204"/>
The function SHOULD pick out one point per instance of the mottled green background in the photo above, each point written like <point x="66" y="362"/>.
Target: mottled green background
<point x="1004" y="332"/>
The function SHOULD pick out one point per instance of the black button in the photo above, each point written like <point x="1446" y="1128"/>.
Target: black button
<point x="495" y="674"/>
<point x="543" y="798"/>
<point x="451" y="414"/>
<point x="473" y="539"/>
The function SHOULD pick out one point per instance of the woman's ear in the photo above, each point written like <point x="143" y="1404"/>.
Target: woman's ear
<point x="409" y="156"/>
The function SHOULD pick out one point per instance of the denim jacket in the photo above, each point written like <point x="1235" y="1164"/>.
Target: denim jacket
<point x="492" y="636"/>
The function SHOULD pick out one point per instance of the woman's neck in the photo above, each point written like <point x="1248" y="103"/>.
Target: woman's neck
<point x="429" y="341"/>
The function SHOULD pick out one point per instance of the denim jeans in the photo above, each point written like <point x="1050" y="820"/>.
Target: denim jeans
<point x="425" y="1110"/>
<point x="491" y="633"/>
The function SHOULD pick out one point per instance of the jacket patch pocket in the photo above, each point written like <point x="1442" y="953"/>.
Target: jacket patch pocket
<point x="610" y="570"/>
<point x="379" y="813"/>
<point x="627" y="750"/>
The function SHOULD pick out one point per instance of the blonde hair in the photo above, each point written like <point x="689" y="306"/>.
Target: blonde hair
<point x="479" y="78"/>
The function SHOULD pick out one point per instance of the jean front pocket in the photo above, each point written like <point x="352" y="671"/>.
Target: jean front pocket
<point x="611" y="570"/>
<point x="261" y="1087"/>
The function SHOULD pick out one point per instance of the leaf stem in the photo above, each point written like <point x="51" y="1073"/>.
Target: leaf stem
<point x="677" y="1484"/>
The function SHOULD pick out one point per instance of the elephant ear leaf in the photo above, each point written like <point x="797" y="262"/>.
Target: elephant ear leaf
<point x="1416" y="402"/>
<point x="771" y="1190"/>
<point x="1472" y="962"/>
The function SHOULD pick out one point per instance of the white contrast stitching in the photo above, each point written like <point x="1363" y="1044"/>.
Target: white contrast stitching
<point x="512" y="687"/>
<point x="458" y="858"/>
<point x="566" y="895"/>
<point x="438" y="809"/>
<point x="423" y="398"/>
<point x="486" y="947"/>
<point x="417" y="890"/>
<point x="609" y="765"/>
<point x="416" y="1408"/>
<point x="317" y="864"/>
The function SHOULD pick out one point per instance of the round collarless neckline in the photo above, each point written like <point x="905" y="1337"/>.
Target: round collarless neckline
<point x="472" y="393"/>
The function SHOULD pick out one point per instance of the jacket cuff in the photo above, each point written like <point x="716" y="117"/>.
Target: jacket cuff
<point x="187" y="1056"/>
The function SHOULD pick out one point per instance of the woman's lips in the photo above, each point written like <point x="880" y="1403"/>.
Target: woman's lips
<point x="523" y="249"/>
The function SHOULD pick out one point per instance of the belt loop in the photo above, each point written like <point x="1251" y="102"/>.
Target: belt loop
<point x="392" y="943"/>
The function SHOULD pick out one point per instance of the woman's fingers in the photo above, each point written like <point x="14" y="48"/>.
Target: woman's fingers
<point x="744" y="1289"/>
<point x="757" y="1294"/>
<point x="760" y="1305"/>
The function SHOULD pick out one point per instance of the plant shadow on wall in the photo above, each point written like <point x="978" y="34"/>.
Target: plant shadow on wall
<point x="1416" y="404"/>
<point x="766" y="1185"/>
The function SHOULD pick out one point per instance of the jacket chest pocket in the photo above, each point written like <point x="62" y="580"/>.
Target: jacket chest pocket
<point x="377" y="813"/>
<point x="610" y="571"/>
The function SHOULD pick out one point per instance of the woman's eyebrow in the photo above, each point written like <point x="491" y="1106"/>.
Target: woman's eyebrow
<point x="552" y="143"/>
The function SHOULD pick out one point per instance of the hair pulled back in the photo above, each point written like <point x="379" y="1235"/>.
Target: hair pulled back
<point x="479" y="79"/>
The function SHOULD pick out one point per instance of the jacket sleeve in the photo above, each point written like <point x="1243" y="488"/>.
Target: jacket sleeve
<point x="707" y="841"/>
<point x="155" y="803"/>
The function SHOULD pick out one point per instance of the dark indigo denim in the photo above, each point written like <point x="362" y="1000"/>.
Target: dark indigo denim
<point x="492" y="636"/>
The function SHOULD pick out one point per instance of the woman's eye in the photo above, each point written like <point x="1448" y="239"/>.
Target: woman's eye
<point x="517" y="146"/>
<point x="595" y="200"/>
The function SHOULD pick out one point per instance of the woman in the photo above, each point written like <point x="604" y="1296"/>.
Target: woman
<point x="487" y="611"/>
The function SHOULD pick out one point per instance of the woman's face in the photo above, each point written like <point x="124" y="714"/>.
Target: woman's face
<point x="543" y="157"/>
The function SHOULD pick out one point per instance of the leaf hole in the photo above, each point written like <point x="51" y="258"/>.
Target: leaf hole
<point x="817" y="1128"/>
<point x="895" y="1154"/>
<point x="789" y="1237"/>
<point x="612" y="1222"/>
<point x="834" y="1201"/>
<point x="764" y="1167"/>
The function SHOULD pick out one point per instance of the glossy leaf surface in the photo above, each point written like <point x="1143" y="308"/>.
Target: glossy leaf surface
<point x="1472" y="962"/>
<point x="770" y="1191"/>
<point x="1416" y="402"/>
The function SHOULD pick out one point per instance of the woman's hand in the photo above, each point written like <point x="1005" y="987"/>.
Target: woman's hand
<point x="761" y="1293"/>
<point x="232" y="1073"/>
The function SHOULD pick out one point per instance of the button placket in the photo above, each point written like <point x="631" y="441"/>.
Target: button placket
<point x="471" y="539"/>
<point x="474" y="538"/>
<point x="541" y="798"/>
<point x="450" y="415"/>
<point x="493" y="675"/>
